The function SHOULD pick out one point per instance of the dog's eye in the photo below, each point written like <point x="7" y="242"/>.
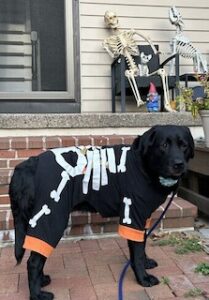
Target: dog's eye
<point x="183" y="145"/>
<point x="165" y="145"/>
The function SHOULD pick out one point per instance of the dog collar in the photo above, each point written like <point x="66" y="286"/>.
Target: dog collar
<point x="167" y="181"/>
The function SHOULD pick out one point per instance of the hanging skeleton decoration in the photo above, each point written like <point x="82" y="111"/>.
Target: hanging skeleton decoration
<point x="182" y="45"/>
<point x="122" y="42"/>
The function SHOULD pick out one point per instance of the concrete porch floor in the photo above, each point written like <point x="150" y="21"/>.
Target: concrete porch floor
<point x="89" y="270"/>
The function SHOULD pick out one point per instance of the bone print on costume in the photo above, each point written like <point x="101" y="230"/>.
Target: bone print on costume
<point x="44" y="211"/>
<point x="127" y="219"/>
<point x="96" y="179"/>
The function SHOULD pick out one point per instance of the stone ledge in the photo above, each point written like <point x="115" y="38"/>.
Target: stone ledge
<point x="99" y="120"/>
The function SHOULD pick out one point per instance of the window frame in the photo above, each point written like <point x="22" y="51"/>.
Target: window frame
<point x="69" y="100"/>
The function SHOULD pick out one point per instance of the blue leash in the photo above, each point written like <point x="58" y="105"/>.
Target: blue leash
<point x="123" y="273"/>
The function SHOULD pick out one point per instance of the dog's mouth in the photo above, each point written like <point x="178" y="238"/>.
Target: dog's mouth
<point x="171" y="177"/>
<point x="168" y="182"/>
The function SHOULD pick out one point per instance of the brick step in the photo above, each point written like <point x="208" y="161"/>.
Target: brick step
<point x="181" y="214"/>
<point x="4" y="199"/>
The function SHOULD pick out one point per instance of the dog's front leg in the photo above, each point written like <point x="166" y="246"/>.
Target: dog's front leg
<point x="149" y="263"/>
<point x="138" y="258"/>
<point x="36" y="279"/>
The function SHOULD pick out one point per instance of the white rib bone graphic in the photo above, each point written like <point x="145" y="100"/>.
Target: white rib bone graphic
<point x="69" y="170"/>
<point x="44" y="211"/>
<point x="127" y="219"/>
<point x="111" y="160"/>
<point x="88" y="172"/>
<point x="96" y="170"/>
<point x="55" y="194"/>
<point x="72" y="171"/>
<point x="96" y="161"/>
<point x="104" y="178"/>
<point x="122" y="165"/>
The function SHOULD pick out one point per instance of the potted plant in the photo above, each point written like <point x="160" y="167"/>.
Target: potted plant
<point x="184" y="99"/>
<point x="200" y="105"/>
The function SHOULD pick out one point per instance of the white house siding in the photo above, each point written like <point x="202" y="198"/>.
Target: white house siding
<point x="149" y="17"/>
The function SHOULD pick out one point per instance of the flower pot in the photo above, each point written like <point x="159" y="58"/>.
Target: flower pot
<point x="204" y="114"/>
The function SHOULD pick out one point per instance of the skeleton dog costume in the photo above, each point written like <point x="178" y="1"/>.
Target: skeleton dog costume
<point x="99" y="179"/>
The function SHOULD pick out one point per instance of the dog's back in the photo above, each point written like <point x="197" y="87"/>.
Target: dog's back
<point x="22" y="193"/>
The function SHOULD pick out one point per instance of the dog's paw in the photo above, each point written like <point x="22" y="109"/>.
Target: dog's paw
<point x="46" y="280"/>
<point x="150" y="263"/>
<point x="148" y="281"/>
<point x="43" y="296"/>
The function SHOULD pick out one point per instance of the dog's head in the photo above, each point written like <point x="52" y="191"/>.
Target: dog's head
<point x="165" y="151"/>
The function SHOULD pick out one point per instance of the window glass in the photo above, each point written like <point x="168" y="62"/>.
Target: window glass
<point x="34" y="46"/>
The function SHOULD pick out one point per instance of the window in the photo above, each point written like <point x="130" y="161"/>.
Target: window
<point x="36" y="55"/>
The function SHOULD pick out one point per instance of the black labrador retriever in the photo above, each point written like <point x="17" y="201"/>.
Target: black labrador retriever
<point x="122" y="180"/>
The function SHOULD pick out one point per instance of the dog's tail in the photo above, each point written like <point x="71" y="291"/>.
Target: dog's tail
<point x="22" y="195"/>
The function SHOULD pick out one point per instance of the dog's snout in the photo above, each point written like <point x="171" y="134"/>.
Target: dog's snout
<point x="178" y="164"/>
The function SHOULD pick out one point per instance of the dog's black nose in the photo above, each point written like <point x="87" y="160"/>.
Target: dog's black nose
<point x="178" y="164"/>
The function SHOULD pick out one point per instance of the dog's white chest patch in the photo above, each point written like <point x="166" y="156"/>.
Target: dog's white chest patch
<point x="167" y="181"/>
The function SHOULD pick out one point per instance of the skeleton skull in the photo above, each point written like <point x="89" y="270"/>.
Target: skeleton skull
<point x="176" y="18"/>
<point x="111" y="19"/>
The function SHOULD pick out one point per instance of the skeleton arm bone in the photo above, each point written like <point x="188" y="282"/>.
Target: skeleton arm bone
<point x="146" y="38"/>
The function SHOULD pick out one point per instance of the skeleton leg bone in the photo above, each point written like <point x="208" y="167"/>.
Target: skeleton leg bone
<point x="163" y="76"/>
<point x="134" y="87"/>
<point x="44" y="211"/>
<point x="166" y="92"/>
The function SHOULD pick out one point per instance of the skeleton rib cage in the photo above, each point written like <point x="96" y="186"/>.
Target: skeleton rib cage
<point x="92" y="162"/>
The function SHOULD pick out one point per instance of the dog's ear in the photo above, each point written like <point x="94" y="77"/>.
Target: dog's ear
<point x="135" y="144"/>
<point x="190" y="142"/>
<point x="142" y="143"/>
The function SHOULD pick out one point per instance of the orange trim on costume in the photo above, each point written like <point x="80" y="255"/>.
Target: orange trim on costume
<point x="131" y="233"/>
<point x="37" y="245"/>
<point x="148" y="223"/>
